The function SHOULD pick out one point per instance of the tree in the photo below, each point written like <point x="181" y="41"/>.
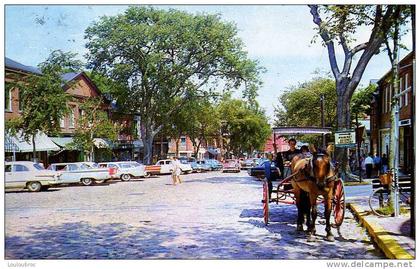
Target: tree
<point x="165" y="58"/>
<point x="300" y="105"/>
<point x="361" y="101"/>
<point x="44" y="102"/>
<point x="243" y="128"/>
<point x="93" y="123"/>
<point x="341" y="22"/>
<point x="199" y="119"/>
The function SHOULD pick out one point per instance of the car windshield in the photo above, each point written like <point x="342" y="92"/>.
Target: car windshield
<point x="184" y="161"/>
<point x="38" y="166"/>
<point x="126" y="165"/>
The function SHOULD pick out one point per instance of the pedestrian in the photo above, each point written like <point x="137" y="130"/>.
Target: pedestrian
<point x="362" y="164"/>
<point x="377" y="164"/>
<point x="279" y="163"/>
<point x="369" y="165"/>
<point x="268" y="175"/>
<point x="384" y="163"/>
<point x="176" y="171"/>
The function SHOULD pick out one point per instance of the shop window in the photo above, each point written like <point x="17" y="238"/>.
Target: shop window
<point x="8" y="100"/>
<point x="71" y="118"/>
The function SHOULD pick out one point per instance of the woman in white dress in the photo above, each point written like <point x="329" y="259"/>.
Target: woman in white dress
<point x="176" y="171"/>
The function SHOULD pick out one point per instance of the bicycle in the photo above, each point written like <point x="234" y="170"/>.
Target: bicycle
<point x="381" y="200"/>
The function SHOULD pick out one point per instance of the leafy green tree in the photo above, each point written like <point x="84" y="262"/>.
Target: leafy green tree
<point x="244" y="129"/>
<point x="361" y="101"/>
<point x="301" y="104"/>
<point x="339" y="25"/>
<point x="198" y="119"/>
<point x="93" y="123"/>
<point x="43" y="100"/>
<point x="165" y="58"/>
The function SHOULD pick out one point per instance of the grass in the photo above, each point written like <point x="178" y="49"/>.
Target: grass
<point x="389" y="210"/>
<point x="356" y="183"/>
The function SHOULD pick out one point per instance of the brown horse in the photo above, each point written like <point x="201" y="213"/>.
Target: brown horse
<point x="315" y="176"/>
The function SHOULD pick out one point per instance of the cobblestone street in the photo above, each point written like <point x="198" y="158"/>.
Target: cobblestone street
<point x="210" y="216"/>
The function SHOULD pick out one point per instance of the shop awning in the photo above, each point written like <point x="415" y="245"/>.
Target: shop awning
<point x="42" y="143"/>
<point x="101" y="143"/>
<point x="62" y="141"/>
<point x="301" y="130"/>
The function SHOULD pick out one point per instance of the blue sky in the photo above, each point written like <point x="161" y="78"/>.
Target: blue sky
<point x="277" y="36"/>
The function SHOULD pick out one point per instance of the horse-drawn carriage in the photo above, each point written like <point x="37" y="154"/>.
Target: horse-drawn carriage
<point x="301" y="174"/>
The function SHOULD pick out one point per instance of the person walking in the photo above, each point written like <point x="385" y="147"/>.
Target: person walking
<point x="369" y="165"/>
<point x="384" y="164"/>
<point x="176" y="171"/>
<point x="377" y="164"/>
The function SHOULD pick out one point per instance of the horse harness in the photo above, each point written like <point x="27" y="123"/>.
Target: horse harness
<point x="311" y="176"/>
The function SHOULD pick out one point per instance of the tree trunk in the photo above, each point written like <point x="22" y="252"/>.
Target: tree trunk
<point x="343" y="121"/>
<point x="33" y="148"/>
<point x="177" y="146"/>
<point x="147" y="148"/>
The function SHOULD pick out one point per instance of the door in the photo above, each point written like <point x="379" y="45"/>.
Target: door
<point x="11" y="179"/>
<point x="19" y="176"/>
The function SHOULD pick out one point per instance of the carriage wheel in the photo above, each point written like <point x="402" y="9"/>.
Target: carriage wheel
<point x="339" y="203"/>
<point x="265" y="202"/>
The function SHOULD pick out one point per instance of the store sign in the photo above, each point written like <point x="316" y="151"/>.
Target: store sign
<point x="405" y="122"/>
<point x="345" y="139"/>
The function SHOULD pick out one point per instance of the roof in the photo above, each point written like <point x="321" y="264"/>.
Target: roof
<point x="67" y="77"/>
<point x="411" y="54"/>
<point x="11" y="64"/>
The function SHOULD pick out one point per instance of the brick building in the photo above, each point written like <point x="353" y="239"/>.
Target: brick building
<point x="380" y="119"/>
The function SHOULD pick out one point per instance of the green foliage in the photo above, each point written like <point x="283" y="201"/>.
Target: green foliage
<point x="301" y="105"/>
<point x="243" y="128"/>
<point x="94" y="123"/>
<point x="361" y="101"/>
<point x="163" y="59"/>
<point x="44" y="102"/>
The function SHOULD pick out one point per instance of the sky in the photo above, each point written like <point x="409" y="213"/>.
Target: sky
<point x="278" y="36"/>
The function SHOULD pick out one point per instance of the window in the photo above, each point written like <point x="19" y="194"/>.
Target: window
<point x="71" y="118"/>
<point x="400" y="90"/>
<point x="20" y="101"/>
<point x="38" y="166"/>
<point x="8" y="168"/>
<point x="63" y="122"/>
<point x="20" y="168"/>
<point x="385" y="105"/>
<point x="183" y="140"/>
<point x="8" y="100"/>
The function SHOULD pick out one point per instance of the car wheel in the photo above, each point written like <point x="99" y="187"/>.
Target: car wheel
<point x="34" y="186"/>
<point x="146" y="175"/>
<point x="125" y="177"/>
<point x="87" y="181"/>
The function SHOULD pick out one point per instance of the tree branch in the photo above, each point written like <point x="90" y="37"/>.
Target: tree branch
<point x="359" y="48"/>
<point x="329" y="43"/>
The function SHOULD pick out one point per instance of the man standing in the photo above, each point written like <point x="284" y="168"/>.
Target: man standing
<point x="176" y="171"/>
<point x="369" y="165"/>
<point x="377" y="163"/>
<point x="268" y="175"/>
<point x="279" y="163"/>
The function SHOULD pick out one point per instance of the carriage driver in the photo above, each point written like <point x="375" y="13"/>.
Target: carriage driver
<point x="292" y="152"/>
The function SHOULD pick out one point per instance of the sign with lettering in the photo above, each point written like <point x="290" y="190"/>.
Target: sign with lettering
<point x="345" y="139"/>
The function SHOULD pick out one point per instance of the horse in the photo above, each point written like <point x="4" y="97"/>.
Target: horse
<point x="316" y="176"/>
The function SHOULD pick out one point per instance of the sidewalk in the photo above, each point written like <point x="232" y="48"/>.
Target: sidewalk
<point x="392" y="235"/>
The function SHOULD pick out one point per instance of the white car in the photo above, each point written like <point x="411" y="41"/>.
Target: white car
<point x="127" y="170"/>
<point x="83" y="173"/>
<point x="29" y="175"/>
<point x="166" y="167"/>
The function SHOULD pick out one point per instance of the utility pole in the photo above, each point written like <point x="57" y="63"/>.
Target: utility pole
<point x="358" y="148"/>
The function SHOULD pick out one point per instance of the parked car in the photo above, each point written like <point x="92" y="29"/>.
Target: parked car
<point x="29" y="175"/>
<point x="166" y="167"/>
<point x="231" y="166"/>
<point x="204" y="166"/>
<point x="248" y="163"/>
<point x="258" y="171"/>
<point x="127" y="170"/>
<point x="198" y="166"/>
<point x="214" y="164"/>
<point x="84" y="173"/>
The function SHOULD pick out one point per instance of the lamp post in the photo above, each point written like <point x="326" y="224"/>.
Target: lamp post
<point x="323" y="120"/>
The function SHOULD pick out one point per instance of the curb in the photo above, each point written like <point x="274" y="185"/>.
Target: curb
<point x="385" y="241"/>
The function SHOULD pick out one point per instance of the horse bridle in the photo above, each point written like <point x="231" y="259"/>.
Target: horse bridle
<point x="327" y="180"/>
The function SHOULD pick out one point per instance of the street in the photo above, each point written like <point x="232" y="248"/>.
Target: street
<point x="210" y="216"/>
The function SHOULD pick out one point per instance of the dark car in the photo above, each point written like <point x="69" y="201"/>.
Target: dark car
<point x="258" y="171"/>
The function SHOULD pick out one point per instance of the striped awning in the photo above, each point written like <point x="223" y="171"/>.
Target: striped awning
<point x="42" y="143"/>
<point x="301" y="130"/>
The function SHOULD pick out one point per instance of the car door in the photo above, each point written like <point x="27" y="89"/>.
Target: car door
<point x="20" y="175"/>
<point x="71" y="174"/>
<point x="11" y="178"/>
